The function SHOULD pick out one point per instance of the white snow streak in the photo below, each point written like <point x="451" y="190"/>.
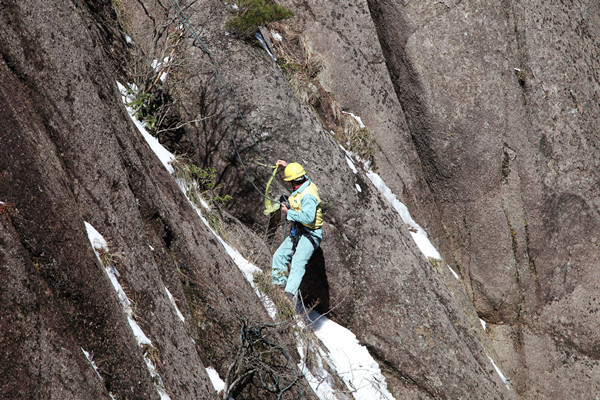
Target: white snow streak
<point x="163" y="154"/>
<point x="420" y="236"/>
<point x="498" y="371"/>
<point x="351" y="165"/>
<point x="322" y="383"/>
<point x="89" y="357"/>
<point x="247" y="268"/>
<point x="179" y="314"/>
<point x="99" y="245"/>
<point x="276" y="36"/>
<point x="215" y="379"/>
<point x="96" y="239"/>
<point x="321" y="389"/>
<point x="453" y="272"/>
<point x="357" y="118"/>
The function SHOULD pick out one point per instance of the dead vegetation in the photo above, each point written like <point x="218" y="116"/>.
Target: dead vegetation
<point x="261" y="358"/>
<point x="302" y="67"/>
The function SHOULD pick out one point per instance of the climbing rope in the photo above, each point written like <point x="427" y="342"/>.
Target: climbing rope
<point x="224" y="96"/>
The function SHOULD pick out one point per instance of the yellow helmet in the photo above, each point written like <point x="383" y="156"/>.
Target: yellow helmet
<point x="293" y="171"/>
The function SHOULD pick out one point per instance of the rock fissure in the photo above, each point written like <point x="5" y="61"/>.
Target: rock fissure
<point x="533" y="270"/>
<point x="408" y="88"/>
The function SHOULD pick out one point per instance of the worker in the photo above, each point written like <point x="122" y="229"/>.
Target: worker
<point x="304" y="211"/>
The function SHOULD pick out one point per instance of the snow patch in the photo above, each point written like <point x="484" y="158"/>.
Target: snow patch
<point x="322" y="383"/>
<point x="205" y="204"/>
<point x="96" y="239"/>
<point x="247" y="268"/>
<point x="158" y="66"/>
<point x="93" y="364"/>
<point x="498" y="371"/>
<point x="352" y="361"/>
<point x="453" y="272"/>
<point x="172" y="300"/>
<point x="99" y="245"/>
<point x="418" y="234"/>
<point x="422" y="241"/>
<point x="215" y="379"/>
<point x="163" y="154"/>
<point x="351" y="165"/>
<point x="356" y="117"/>
<point x="158" y="382"/>
<point x="483" y="323"/>
<point x="358" y="188"/>
<point x="276" y="36"/>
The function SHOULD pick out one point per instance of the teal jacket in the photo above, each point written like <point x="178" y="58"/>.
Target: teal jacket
<point x="309" y="210"/>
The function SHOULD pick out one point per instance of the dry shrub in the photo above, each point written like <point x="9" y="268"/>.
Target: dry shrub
<point x="302" y="66"/>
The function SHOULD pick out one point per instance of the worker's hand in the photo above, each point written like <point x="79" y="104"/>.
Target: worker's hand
<point x="284" y="209"/>
<point x="281" y="163"/>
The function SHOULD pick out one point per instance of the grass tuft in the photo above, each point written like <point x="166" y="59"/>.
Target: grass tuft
<point x="285" y="309"/>
<point x="252" y="14"/>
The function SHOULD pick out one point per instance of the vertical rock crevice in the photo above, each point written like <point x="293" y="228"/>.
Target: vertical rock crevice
<point x="393" y="30"/>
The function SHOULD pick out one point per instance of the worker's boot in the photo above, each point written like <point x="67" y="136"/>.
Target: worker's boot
<point x="290" y="297"/>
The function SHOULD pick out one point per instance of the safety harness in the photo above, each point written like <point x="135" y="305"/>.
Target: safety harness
<point x="299" y="230"/>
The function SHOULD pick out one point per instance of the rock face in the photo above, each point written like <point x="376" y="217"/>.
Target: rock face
<point x="482" y="116"/>
<point x="70" y="154"/>
<point x="378" y="282"/>
<point x="501" y="98"/>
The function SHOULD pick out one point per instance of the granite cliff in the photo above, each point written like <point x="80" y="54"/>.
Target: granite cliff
<point x="480" y="116"/>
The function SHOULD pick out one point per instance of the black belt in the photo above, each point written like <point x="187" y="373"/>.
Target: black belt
<point x="301" y="230"/>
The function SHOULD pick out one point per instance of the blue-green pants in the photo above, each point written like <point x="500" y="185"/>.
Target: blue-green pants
<point x="282" y="257"/>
